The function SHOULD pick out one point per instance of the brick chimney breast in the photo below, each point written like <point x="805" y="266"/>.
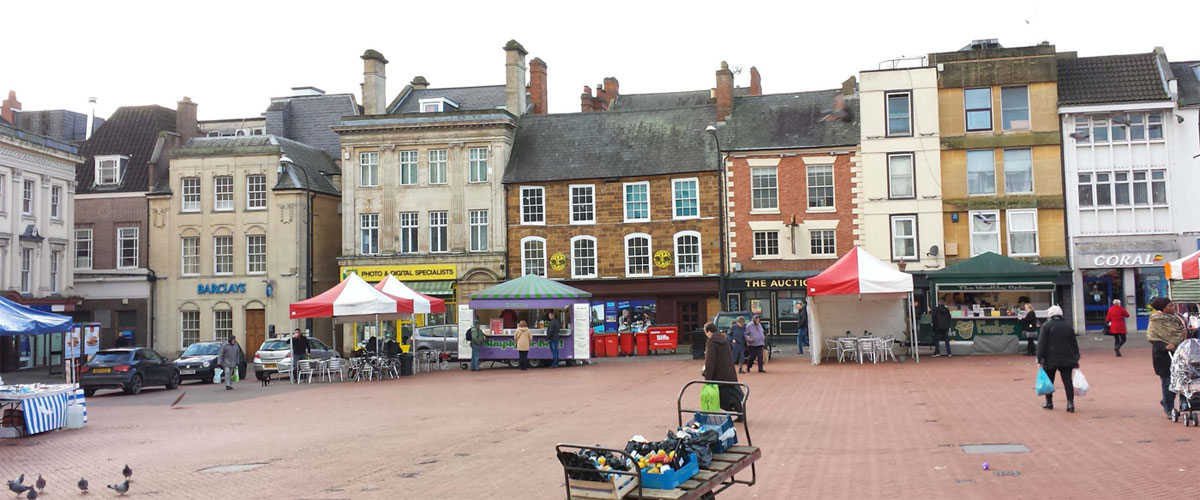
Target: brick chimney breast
<point x="185" y="119"/>
<point x="10" y="107"/>
<point x="755" y="82"/>
<point x="537" y="86"/>
<point x="724" y="92"/>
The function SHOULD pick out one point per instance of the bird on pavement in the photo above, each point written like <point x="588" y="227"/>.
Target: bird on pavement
<point x="17" y="482"/>
<point x="33" y="494"/>
<point x="83" y="485"/>
<point x="40" y="483"/>
<point x="120" y="488"/>
<point x="18" y="488"/>
<point x="127" y="471"/>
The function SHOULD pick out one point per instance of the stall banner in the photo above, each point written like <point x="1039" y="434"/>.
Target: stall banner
<point x="581" y="330"/>
<point x="87" y="334"/>
<point x="967" y="329"/>
<point x="405" y="272"/>
<point x="466" y="319"/>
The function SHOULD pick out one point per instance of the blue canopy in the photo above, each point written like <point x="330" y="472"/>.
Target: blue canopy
<point x="16" y="319"/>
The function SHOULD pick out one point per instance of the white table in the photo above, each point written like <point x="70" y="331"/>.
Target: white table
<point x="44" y="407"/>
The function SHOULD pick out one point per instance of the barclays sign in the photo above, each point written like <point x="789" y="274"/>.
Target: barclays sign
<point x="219" y="288"/>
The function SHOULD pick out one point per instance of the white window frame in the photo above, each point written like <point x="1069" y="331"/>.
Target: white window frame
<point x="1032" y="178"/>
<point x="649" y="256"/>
<point x="254" y="259"/>
<point x="916" y="247"/>
<point x="121" y="238"/>
<point x="252" y="195"/>
<point x="825" y="254"/>
<point x="363" y="229"/>
<point x="542" y="206"/>
<point x="88" y="240"/>
<point x="478" y="222"/>
<point x="368" y="169"/>
<point x="3" y="189"/>
<point x="439" y="163"/>
<point x="191" y="202"/>
<point x="410" y="232"/>
<point x="912" y="176"/>
<point x="808" y="186"/>
<point x="477" y="165"/>
<point x="194" y="258"/>
<point x="56" y="202"/>
<point x="1028" y="109"/>
<point x="699" y="253"/>
<point x="773" y="190"/>
<point x="27" y="256"/>
<point x="578" y="208"/>
<point x="595" y="264"/>
<point x="766" y="244"/>
<point x="219" y="204"/>
<point x="1008" y="226"/>
<point x="533" y="239"/>
<point x="972" y="232"/>
<point x="118" y="163"/>
<point x="675" y="199"/>
<point x="625" y="202"/>
<point x="440" y="102"/>
<point x="410" y="167"/>
<point x="991" y="152"/>
<point x="55" y="269"/>
<point x="189" y="327"/>
<point x="217" y="255"/>
<point x="439" y="231"/>
<point x="28" y="191"/>
<point x="222" y="324"/>
<point x="887" y="113"/>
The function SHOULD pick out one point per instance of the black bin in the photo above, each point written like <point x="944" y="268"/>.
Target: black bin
<point x="406" y="364"/>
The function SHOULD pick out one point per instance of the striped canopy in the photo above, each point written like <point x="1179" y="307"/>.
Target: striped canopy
<point x="529" y="291"/>
<point x="1187" y="268"/>
<point x="422" y="304"/>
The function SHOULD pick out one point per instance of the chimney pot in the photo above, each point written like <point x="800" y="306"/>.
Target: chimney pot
<point x="10" y="107"/>
<point x="419" y="82"/>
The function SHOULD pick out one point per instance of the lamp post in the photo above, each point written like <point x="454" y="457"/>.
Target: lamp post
<point x="308" y="270"/>
<point x="721" y="180"/>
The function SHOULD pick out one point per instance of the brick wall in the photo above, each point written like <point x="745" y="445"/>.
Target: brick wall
<point x="104" y="216"/>
<point x="610" y="228"/>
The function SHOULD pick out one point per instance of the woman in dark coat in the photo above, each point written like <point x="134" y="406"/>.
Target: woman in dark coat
<point x="941" y="328"/>
<point x="1058" y="352"/>
<point x="1029" y="329"/>
<point x="718" y="366"/>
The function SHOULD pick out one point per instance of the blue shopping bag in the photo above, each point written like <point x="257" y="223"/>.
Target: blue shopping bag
<point x="1044" y="385"/>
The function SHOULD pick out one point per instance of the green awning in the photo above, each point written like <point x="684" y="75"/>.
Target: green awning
<point x="993" y="268"/>
<point x="435" y="288"/>
<point x="1185" y="290"/>
<point x="531" y="286"/>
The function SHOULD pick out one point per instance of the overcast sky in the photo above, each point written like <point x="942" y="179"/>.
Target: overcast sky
<point x="232" y="57"/>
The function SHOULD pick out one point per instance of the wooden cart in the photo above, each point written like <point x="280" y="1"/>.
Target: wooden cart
<point x="718" y="476"/>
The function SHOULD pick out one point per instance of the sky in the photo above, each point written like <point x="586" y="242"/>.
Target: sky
<point x="231" y="58"/>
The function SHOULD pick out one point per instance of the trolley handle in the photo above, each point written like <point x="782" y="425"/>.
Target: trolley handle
<point x="575" y="448"/>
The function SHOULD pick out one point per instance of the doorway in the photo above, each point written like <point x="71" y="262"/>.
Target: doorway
<point x="256" y="329"/>
<point x="1100" y="287"/>
<point x="689" y="317"/>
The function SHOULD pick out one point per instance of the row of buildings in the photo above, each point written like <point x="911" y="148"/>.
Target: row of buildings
<point x="670" y="206"/>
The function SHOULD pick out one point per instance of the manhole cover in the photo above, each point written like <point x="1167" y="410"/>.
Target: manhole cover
<point x="1007" y="473"/>
<point x="233" y="468"/>
<point x="995" y="448"/>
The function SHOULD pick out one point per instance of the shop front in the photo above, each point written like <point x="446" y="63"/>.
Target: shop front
<point x="776" y="297"/>
<point x="435" y="280"/>
<point x="618" y="306"/>
<point x="1128" y="270"/>
<point x="19" y="352"/>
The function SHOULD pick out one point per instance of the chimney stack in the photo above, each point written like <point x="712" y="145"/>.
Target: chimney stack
<point x="514" y="81"/>
<point x="10" y="107"/>
<point x="755" y="82"/>
<point x="374" y="92"/>
<point x="185" y="120"/>
<point x="586" y="101"/>
<point x="724" y="92"/>
<point x="419" y="83"/>
<point x="537" y="86"/>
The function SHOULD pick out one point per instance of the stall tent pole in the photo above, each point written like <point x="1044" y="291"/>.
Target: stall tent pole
<point x="912" y="324"/>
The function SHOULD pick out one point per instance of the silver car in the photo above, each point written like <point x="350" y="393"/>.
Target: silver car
<point x="441" y="337"/>
<point x="275" y="355"/>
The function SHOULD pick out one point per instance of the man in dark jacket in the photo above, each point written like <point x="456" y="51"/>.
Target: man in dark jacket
<point x="718" y="365"/>
<point x="553" y="327"/>
<point x="941" y="328"/>
<point x="1058" y="352"/>
<point x="801" y="326"/>
<point x="300" y="351"/>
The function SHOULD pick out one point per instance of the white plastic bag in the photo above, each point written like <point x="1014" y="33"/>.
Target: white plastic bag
<point x="1080" y="383"/>
<point x="217" y="372"/>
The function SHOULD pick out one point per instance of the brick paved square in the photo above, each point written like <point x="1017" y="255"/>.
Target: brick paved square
<point x="835" y="431"/>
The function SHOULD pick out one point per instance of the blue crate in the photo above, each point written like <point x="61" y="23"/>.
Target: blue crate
<point x="718" y="423"/>
<point x="671" y="480"/>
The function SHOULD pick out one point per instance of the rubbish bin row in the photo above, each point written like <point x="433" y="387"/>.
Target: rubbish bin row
<point x="611" y="345"/>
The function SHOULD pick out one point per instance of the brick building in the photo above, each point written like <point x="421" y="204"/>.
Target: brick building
<point x="620" y="204"/>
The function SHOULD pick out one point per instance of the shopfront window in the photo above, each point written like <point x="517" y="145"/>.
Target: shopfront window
<point x="622" y="315"/>
<point x="1151" y="284"/>
<point x="1100" y="288"/>
<point x="787" y="306"/>
<point x="760" y="303"/>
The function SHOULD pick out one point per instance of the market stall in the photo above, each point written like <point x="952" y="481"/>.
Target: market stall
<point x="528" y="299"/>
<point x="32" y="409"/>
<point x="859" y="293"/>
<point x="1184" y="276"/>
<point x="985" y="295"/>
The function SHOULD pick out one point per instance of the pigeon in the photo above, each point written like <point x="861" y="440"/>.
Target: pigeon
<point x="16" y="482"/>
<point x="178" y="399"/>
<point x="18" y="488"/>
<point x="82" y="484"/>
<point x="41" y="483"/>
<point x="33" y="494"/>
<point x="1079" y="136"/>
<point x="127" y="472"/>
<point x="120" y="488"/>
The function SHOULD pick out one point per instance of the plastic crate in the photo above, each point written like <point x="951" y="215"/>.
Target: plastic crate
<point x="719" y="423"/>
<point x="674" y="478"/>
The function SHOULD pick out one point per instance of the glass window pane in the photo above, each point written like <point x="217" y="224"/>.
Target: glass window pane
<point x="1014" y="102"/>
<point x="981" y="172"/>
<point x="1121" y="188"/>
<point x="1018" y="171"/>
<point x="1103" y="191"/>
<point x="898" y="114"/>
<point x="978" y="104"/>
<point x="900" y="176"/>
<point x="764" y="189"/>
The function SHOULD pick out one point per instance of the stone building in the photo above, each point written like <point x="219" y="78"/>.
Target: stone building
<point x="230" y="229"/>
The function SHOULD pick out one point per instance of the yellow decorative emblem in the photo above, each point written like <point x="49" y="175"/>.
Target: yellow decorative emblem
<point x="558" y="262"/>
<point x="662" y="259"/>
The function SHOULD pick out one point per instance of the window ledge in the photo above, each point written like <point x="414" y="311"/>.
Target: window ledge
<point x="690" y="217"/>
<point x="256" y="209"/>
<point x="767" y="257"/>
<point x="583" y="223"/>
<point x="543" y="223"/>
<point x="627" y="221"/>
<point x="639" y="275"/>
<point x="587" y="277"/>
<point x="823" y="210"/>
<point x="764" y="212"/>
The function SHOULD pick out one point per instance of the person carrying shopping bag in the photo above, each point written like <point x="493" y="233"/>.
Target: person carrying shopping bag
<point x="1058" y="353"/>
<point x="230" y="355"/>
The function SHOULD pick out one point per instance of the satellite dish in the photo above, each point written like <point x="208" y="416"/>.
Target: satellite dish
<point x="933" y="251"/>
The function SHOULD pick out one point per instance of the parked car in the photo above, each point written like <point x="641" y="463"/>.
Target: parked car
<point x="440" y="337"/>
<point x="275" y="355"/>
<point x="725" y="319"/>
<point x="199" y="361"/>
<point x="129" y="369"/>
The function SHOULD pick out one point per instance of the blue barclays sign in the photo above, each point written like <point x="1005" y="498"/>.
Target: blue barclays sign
<point x="211" y="288"/>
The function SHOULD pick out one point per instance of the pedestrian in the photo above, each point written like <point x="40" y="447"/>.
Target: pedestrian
<point x="300" y="351"/>
<point x="718" y="366"/>
<point x="1058" y="352"/>
<point x="1164" y="332"/>
<point x="372" y="344"/>
<point x="737" y="342"/>
<point x="941" y="328"/>
<point x="755" y="338"/>
<point x="552" y="331"/>
<point x="1029" y="329"/>
<point x="477" y="339"/>
<point x="801" y="326"/>
<point x="523" y="337"/>
<point x="1114" y="323"/>
<point x="229" y="357"/>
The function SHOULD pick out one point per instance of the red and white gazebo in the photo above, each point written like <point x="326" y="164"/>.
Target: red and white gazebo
<point x="352" y="300"/>
<point x="422" y="304"/>
<point x="1183" y="276"/>
<point x="856" y="293"/>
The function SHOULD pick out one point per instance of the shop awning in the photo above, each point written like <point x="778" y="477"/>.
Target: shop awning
<point x="857" y="273"/>
<point x="438" y="288"/>
<point x="528" y="292"/>
<point x="1187" y="268"/>
<point x="421" y="303"/>
<point x="16" y="319"/>
<point x="989" y="267"/>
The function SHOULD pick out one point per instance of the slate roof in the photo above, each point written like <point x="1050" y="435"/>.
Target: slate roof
<point x="1110" y="79"/>
<point x="1188" y="75"/>
<point x="668" y="100"/>
<point x="788" y="121"/>
<point x="308" y="119"/>
<point x="49" y="142"/>
<point x="313" y="161"/>
<point x="611" y="144"/>
<point x="131" y="131"/>
<point x="58" y="124"/>
<point x="467" y="98"/>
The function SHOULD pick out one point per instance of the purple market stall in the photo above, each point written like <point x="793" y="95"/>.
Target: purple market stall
<point x="528" y="298"/>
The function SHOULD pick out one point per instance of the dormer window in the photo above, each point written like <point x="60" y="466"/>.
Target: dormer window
<point x="437" y="105"/>
<point x="109" y="169"/>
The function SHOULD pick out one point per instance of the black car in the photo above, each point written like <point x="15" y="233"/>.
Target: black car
<point x="129" y="369"/>
<point x="200" y="360"/>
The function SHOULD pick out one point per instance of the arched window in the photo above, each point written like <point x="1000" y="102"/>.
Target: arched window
<point x="583" y="257"/>
<point x="533" y="255"/>
<point x="637" y="255"/>
<point x="687" y="254"/>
